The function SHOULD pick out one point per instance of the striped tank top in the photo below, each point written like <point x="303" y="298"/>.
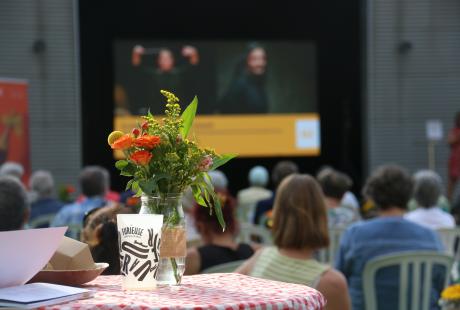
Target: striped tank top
<point x="274" y="266"/>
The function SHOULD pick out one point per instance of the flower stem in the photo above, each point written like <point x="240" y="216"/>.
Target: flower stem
<point x="175" y="271"/>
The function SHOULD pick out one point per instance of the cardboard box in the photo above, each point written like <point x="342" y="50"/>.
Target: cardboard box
<point x="71" y="255"/>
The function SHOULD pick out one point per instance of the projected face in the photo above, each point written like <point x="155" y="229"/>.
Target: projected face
<point x="257" y="61"/>
<point x="165" y="60"/>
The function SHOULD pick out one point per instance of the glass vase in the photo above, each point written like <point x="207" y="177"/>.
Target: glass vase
<point x="173" y="246"/>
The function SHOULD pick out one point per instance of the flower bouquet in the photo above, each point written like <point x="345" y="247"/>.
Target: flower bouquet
<point x="450" y="298"/>
<point x="162" y="162"/>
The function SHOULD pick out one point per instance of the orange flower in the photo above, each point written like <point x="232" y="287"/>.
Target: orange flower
<point x="141" y="157"/>
<point x="126" y="141"/>
<point x="148" y="142"/>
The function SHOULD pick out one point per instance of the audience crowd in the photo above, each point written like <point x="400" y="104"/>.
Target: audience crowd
<point x="398" y="212"/>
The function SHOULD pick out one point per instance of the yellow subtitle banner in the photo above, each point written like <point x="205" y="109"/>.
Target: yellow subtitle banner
<point x="268" y="135"/>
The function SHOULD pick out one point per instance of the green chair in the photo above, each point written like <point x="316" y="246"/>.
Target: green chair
<point x="420" y="262"/>
<point x="327" y="255"/>
<point x="449" y="238"/>
<point x="224" y="268"/>
<point x="42" y="220"/>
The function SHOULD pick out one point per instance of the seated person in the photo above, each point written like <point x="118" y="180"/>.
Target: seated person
<point x="42" y="188"/>
<point x="427" y="190"/>
<point x="94" y="182"/>
<point x="218" y="247"/>
<point x="390" y="188"/>
<point x="281" y="170"/>
<point x="299" y="229"/>
<point x="101" y="234"/>
<point x="247" y="198"/>
<point x="14" y="206"/>
<point x="334" y="185"/>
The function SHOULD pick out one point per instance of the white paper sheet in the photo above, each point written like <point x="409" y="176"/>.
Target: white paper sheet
<point x="23" y="253"/>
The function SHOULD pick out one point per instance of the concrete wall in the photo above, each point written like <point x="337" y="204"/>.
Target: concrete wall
<point x="52" y="73"/>
<point x="413" y="75"/>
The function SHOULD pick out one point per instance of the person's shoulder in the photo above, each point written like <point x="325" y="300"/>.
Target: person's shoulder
<point x="413" y="214"/>
<point x="334" y="280"/>
<point x="421" y="231"/>
<point x="69" y="206"/>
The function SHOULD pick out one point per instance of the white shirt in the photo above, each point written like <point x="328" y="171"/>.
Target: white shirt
<point x="350" y="199"/>
<point x="433" y="218"/>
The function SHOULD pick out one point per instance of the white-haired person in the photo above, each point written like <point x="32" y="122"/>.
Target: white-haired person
<point x="247" y="198"/>
<point x="13" y="169"/>
<point x="14" y="205"/>
<point x="41" y="184"/>
<point x="427" y="190"/>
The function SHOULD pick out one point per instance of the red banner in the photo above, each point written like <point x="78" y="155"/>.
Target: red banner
<point x="14" y="124"/>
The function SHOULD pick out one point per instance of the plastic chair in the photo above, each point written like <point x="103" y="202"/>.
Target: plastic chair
<point x="224" y="268"/>
<point x="450" y="238"/>
<point x="43" y="220"/>
<point x="422" y="263"/>
<point x="250" y="232"/>
<point x="327" y="255"/>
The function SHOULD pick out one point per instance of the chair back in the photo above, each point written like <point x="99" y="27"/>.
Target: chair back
<point x="420" y="263"/>
<point x="42" y="220"/>
<point x="254" y="233"/>
<point x="449" y="238"/>
<point x="327" y="255"/>
<point x="224" y="268"/>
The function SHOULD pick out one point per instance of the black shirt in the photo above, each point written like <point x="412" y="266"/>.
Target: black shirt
<point x="212" y="255"/>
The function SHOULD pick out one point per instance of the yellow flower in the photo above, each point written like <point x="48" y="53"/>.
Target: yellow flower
<point x="114" y="136"/>
<point x="451" y="293"/>
<point x="170" y="96"/>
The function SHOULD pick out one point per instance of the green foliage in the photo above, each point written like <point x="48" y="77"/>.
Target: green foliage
<point x="188" y="116"/>
<point x="175" y="162"/>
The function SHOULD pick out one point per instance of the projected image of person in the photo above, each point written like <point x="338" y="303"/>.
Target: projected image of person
<point x="166" y="72"/>
<point x="247" y="91"/>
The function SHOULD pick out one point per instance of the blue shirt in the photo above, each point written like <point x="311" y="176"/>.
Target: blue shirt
<point x="385" y="235"/>
<point x="72" y="215"/>
<point x="44" y="206"/>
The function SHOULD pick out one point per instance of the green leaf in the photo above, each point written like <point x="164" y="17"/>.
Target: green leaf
<point x="197" y="195"/>
<point x="221" y="160"/>
<point x="188" y="116"/>
<point x="218" y="209"/>
<point x="135" y="188"/>
<point x="148" y="186"/>
<point x="129" y="169"/>
<point x="120" y="164"/>
<point x="130" y="183"/>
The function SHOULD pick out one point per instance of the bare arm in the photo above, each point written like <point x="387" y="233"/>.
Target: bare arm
<point x="247" y="267"/>
<point x="333" y="286"/>
<point x="192" y="262"/>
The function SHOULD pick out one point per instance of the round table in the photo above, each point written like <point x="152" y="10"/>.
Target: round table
<point x="206" y="291"/>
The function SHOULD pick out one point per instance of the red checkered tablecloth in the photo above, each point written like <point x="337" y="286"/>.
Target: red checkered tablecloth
<point x="206" y="291"/>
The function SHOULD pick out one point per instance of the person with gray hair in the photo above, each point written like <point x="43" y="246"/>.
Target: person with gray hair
<point x="247" y="198"/>
<point x="94" y="183"/>
<point x="426" y="193"/>
<point x="13" y="169"/>
<point x="44" y="206"/>
<point x="14" y="205"/>
<point x="218" y="180"/>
